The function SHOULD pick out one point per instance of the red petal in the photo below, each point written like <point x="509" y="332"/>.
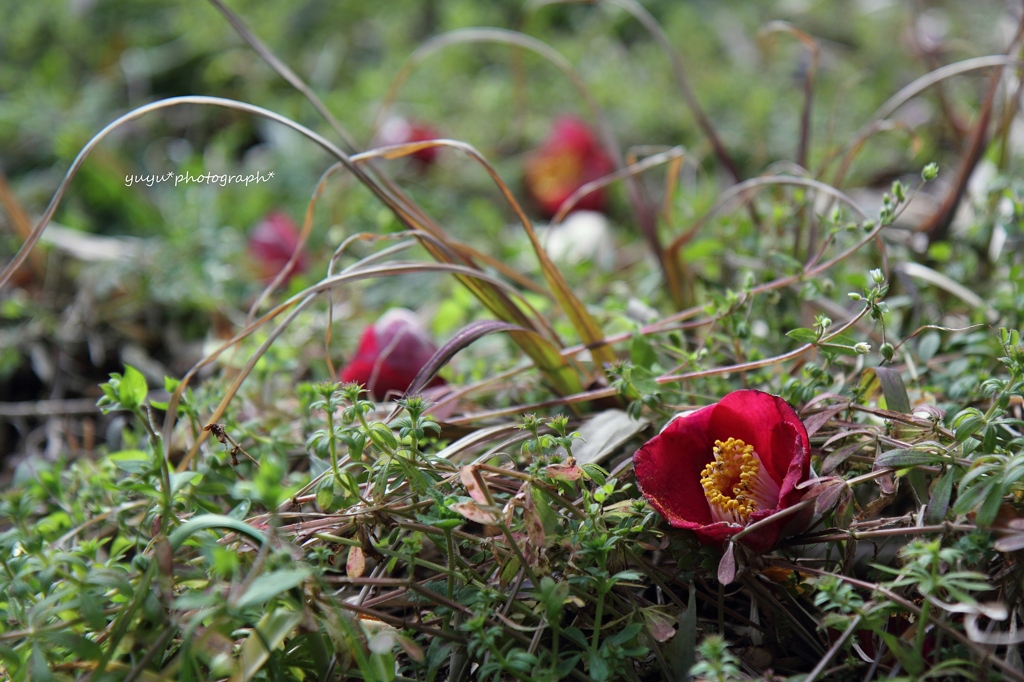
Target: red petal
<point x="419" y="133"/>
<point x="356" y="370"/>
<point x="792" y="437"/>
<point x="716" y="533"/>
<point x="764" y="538"/>
<point x="401" y="131"/>
<point x="272" y="243"/>
<point x="572" y="133"/>
<point x="668" y="469"/>
<point x="390" y="354"/>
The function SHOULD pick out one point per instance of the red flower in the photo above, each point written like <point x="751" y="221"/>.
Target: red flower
<point x="716" y="470"/>
<point x="569" y="158"/>
<point x="391" y="352"/>
<point x="272" y="244"/>
<point x="400" y="131"/>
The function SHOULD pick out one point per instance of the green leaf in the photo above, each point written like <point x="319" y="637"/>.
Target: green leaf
<point x="681" y="650"/>
<point x="83" y="649"/>
<point x="624" y="635"/>
<point x="240" y="509"/>
<point x="576" y="635"/>
<point x="907" y="457"/>
<point x="626" y="575"/>
<point x="893" y="389"/>
<point x="182" y="478"/>
<point x="325" y="497"/>
<point x="929" y="345"/>
<point x="269" y="585"/>
<point x="91" y="608"/>
<point x="132" y="461"/>
<point x="938" y="505"/>
<point x="803" y="335"/>
<point x="383" y="667"/>
<point x="132" y="389"/>
<point x="547" y="515"/>
<point x="39" y="669"/>
<point x="595" y="472"/>
<point x="599" y="670"/>
<point x="270" y="633"/>
<point x="968" y="427"/>
<point x="990" y="507"/>
<point x="969" y="499"/>
<point x="641" y="352"/>
<point x="207" y="521"/>
<point x="568" y="665"/>
<point x="909" y="657"/>
<point x="385" y="434"/>
<point x="317" y="466"/>
<point x="509" y="572"/>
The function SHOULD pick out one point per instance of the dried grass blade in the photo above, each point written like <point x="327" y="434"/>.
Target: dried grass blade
<point x="463" y="338"/>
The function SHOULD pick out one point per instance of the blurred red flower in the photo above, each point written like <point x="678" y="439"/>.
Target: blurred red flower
<point x="718" y="469"/>
<point x="569" y="158"/>
<point x="272" y="244"/>
<point x="391" y="352"/>
<point x="401" y="131"/>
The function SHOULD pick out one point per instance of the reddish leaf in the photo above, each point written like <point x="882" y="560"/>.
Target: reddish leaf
<point x="828" y="496"/>
<point x="727" y="566"/>
<point x="472" y="485"/>
<point x="533" y="522"/>
<point x="564" y="472"/>
<point x="473" y="512"/>
<point x="816" y="421"/>
<point x="836" y="458"/>
<point x="356" y="564"/>
<point x="660" y="624"/>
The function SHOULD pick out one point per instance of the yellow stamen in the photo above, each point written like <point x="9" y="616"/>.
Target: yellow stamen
<point x="548" y="175"/>
<point x="735" y="483"/>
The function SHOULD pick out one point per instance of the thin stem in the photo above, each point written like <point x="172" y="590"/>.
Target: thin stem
<point x="834" y="649"/>
<point x="555" y="631"/>
<point x="165" y="471"/>
<point x="451" y="567"/>
<point x="595" y="642"/>
<point x="922" y="624"/>
<point x="332" y="443"/>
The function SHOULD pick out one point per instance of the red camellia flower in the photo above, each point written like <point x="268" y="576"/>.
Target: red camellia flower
<point x="569" y="158"/>
<point x="400" y="131"/>
<point x="272" y="244"/>
<point x="391" y="352"/>
<point x="727" y="465"/>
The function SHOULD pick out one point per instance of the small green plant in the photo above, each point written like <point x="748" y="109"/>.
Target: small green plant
<point x="717" y="663"/>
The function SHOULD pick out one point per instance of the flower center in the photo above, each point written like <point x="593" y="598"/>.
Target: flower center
<point x="736" y="484"/>
<point x="550" y="176"/>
